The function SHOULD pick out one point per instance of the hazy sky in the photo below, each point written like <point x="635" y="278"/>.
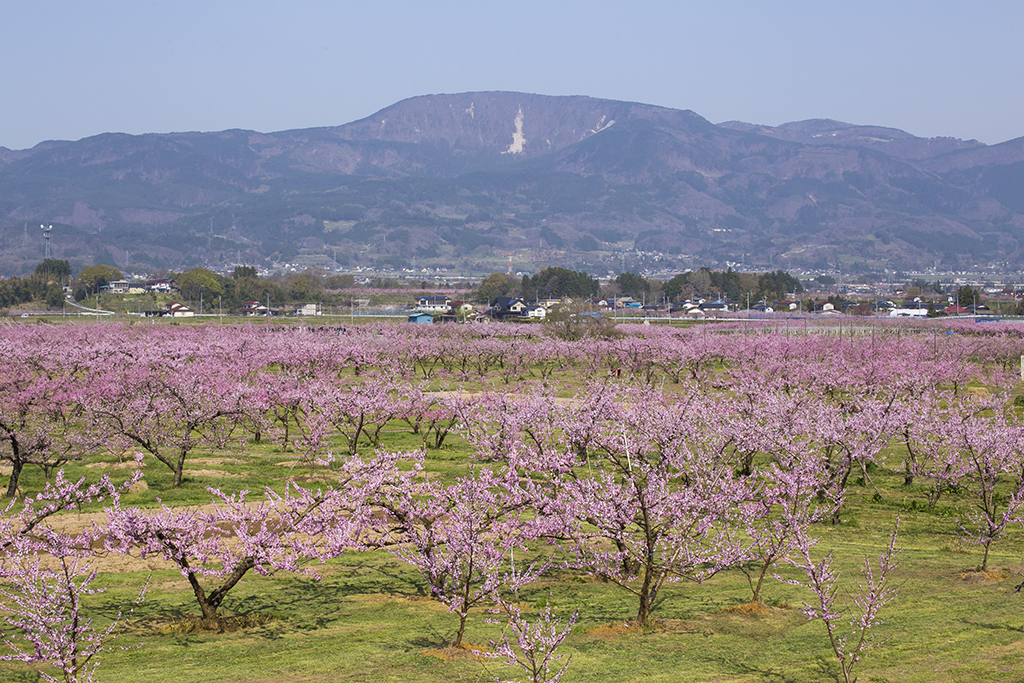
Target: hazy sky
<point x="72" y="68"/>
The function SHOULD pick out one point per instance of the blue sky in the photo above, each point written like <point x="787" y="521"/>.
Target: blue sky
<point x="72" y="69"/>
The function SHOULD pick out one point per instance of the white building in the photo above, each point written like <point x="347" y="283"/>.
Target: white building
<point x="535" y="312"/>
<point x="908" y="313"/>
<point x="176" y="310"/>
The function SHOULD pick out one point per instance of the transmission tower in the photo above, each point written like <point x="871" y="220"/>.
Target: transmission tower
<point x="46" y="236"/>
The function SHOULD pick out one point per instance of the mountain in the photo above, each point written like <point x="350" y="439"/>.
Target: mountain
<point x="464" y="179"/>
<point x="890" y="141"/>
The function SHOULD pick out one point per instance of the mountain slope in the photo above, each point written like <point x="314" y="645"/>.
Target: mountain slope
<point x="890" y="141"/>
<point x="466" y="178"/>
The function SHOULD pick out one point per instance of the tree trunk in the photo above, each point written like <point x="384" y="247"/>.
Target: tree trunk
<point x="760" y="582"/>
<point x="842" y="487"/>
<point x="12" y="485"/>
<point x="462" y="629"/>
<point x="179" y="467"/>
<point x="209" y="610"/>
<point x="464" y="612"/>
<point x="644" y="613"/>
<point x="209" y="603"/>
<point x="746" y="465"/>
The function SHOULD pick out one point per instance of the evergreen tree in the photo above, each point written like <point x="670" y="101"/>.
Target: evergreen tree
<point x="633" y="285"/>
<point x="968" y="296"/>
<point x="560" y="282"/>
<point x="54" y="269"/>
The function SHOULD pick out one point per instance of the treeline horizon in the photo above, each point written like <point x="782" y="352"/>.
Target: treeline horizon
<point x="46" y="283"/>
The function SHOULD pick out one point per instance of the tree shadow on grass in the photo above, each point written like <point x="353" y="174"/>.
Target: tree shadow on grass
<point x="268" y="607"/>
<point x="302" y="603"/>
<point x="148" y="612"/>
<point x="991" y="626"/>
<point x="401" y="583"/>
<point x="828" y="671"/>
<point x="432" y="640"/>
<point x="740" y="666"/>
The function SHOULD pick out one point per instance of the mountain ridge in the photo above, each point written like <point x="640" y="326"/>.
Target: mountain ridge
<point x="453" y="179"/>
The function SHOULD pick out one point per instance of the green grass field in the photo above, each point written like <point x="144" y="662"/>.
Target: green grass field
<point x="369" y="619"/>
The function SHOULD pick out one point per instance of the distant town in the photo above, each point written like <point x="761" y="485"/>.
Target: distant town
<point x="447" y="296"/>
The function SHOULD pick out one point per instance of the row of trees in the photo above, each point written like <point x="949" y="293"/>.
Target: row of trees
<point x="732" y="470"/>
<point x="168" y="392"/>
<point x="733" y="285"/>
<point x="45" y="285"/>
<point x="701" y="283"/>
<point x="628" y="484"/>
<point x="559" y="282"/>
<point x="548" y="282"/>
<point x="245" y="284"/>
<point x="216" y="389"/>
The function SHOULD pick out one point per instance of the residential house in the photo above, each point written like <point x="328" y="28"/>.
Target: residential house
<point x="116" y="287"/>
<point x="507" y="307"/>
<point x="308" y="309"/>
<point x="460" y="310"/>
<point x="536" y="312"/>
<point x="787" y="305"/>
<point x="163" y="286"/>
<point x="251" y="308"/>
<point x="177" y="310"/>
<point x="440" y="304"/>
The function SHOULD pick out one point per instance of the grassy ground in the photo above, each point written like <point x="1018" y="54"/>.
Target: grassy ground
<point x="369" y="619"/>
